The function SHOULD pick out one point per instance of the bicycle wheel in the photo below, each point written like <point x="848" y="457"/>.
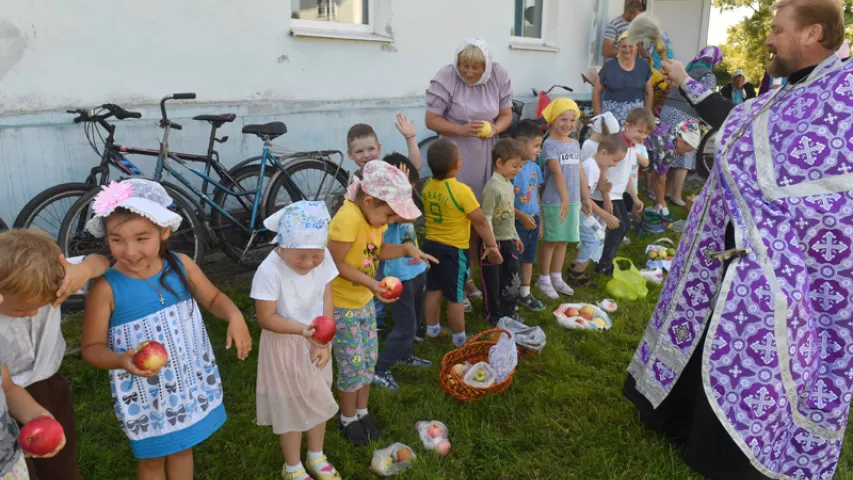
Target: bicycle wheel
<point x="313" y="179"/>
<point x="74" y="240"/>
<point x="238" y="244"/>
<point x="47" y="209"/>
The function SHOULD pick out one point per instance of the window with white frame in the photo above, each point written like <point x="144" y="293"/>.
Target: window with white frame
<point x="341" y="19"/>
<point x="528" y="20"/>
<point x="344" y="12"/>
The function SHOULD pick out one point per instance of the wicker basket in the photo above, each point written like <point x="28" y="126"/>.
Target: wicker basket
<point x="475" y="350"/>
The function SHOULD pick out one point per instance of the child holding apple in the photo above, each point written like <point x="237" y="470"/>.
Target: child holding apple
<point x="16" y="404"/>
<point x="292" y="288"/>
<point x="380" y="197"/>
<point x="168" y="407"/>
<point x="408" y="310"/>
<point x="34" y="280"/>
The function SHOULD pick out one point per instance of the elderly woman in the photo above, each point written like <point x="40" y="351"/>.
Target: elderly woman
<point x="677" y="110"/>
<point x="623" y="84"/>
<point x="470" y="102"/>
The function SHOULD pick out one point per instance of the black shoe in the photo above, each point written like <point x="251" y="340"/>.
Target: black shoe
<point x="578" y="279"/>
<point x="374" y="433"/>
<point x="532" y="303"/>
<point x="414" y="361"/>
<point x="354" y="433"/>
<point x="385" y="381"/>
<point x="419" y="335"/>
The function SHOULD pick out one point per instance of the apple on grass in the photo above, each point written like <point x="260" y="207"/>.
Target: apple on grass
<point x="443" y="448"/>
<point x="150" y="356"/>
<point x="40" y="436"/>
<point x="391" y="287"/>
<point x="404" y="455"/>
<point x="435" y="430"/>
<point x="324" y="329"/>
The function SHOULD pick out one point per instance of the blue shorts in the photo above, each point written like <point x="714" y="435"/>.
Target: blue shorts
<point x="451" y="272"/>
<point x="530" y="240"/>
<point x="591" y="246"/>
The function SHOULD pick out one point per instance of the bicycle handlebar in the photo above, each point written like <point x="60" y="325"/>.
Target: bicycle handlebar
<point x="175" y="96"/>
<point x="568" y="89"/>
<point x="112" y="110"/>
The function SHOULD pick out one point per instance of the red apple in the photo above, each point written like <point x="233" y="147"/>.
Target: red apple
<point x="572" y="312"/>
<point x="150" y="356"/>
<point x="324" y="329"/>
<point x="40" y="435"/>
<point x="435" y="430"/>
<point x="391" y="287"/>
<point x="587" y="312"/>
<point x="443" y="448"/>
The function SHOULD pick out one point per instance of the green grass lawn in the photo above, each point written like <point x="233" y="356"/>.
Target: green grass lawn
<point x="564" y="416"/>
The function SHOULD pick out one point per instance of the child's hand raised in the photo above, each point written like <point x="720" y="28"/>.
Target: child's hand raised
<point x="405" y="126"/>
<point x="76" y="277"/>
<point x="127" y="364"/>
<point x="494" y="255"/>
<point x="320" y="357"/>
<point x="238" y="333"/>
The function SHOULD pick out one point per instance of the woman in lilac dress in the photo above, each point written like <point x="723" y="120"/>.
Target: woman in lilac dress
<point x="462" y="96"/>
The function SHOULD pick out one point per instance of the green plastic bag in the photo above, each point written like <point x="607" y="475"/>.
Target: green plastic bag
<point x="628" y="284"/>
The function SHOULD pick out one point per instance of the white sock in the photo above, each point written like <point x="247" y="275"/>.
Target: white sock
<point x="293" y="468"/>
<point x="314" y="455"/>
<point x="347" y="420"/>
<point x="545" y="279"/>
<point x="433" y="330"/>
<point x="556" y="278"/>
<point x="361" y="413"/>
<point x="459" y="339"/>
<point x="525" y="291"/>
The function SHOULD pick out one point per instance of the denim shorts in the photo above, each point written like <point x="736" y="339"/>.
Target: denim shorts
<point x="530" y="240"/>
<point x="591" y="245"/>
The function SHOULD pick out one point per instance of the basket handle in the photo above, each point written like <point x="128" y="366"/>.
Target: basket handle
<point x="484" y="333"/>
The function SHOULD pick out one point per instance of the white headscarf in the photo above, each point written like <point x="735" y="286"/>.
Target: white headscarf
<point x="484" y="47"/>
<point x="301" y="224"/>
<point x="142" y="197"/>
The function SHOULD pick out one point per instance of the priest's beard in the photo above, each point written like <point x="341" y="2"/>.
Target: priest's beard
<point x="783" y="67"/>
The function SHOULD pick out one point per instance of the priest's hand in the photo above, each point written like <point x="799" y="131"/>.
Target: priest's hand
<point x="674" y="72"/>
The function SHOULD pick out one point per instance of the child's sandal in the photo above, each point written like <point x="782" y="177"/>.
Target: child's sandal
<point x="326" y="473"/>
<point x="578" y="279"/>
<point x="300" y="474"/>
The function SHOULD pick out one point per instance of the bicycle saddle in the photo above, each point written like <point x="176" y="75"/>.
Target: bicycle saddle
<point x="221" y="118"/>
<point x="272" y="129"/>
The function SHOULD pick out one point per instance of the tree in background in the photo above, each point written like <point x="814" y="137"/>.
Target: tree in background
<point x="744" y="48"/>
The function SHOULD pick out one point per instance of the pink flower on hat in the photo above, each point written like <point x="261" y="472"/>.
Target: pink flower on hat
<point x="111" y="196"/>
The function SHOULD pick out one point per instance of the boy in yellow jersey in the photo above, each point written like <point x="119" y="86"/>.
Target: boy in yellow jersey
<point x="451" y="209"/>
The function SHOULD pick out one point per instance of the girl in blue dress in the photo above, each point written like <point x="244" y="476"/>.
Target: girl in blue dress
<point x="151" y="294"/>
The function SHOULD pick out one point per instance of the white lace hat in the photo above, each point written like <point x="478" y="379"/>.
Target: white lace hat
<point x="143" y="197"/>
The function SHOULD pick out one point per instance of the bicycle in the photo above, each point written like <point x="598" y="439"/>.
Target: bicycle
<point x="47" y="209"/>
<point x="240" y="234"/>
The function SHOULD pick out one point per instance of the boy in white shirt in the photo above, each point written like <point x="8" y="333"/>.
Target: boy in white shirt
<point x="34" y="280"/>
<point x="612" y="149"/>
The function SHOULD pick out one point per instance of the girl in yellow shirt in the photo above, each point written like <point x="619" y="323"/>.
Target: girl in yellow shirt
<point x="355" y="242"/>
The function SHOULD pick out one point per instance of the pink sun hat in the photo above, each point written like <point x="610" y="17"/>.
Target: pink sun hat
<point x="387" y="183"/>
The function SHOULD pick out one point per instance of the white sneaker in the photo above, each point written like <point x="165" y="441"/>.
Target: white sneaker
<point x="563" y="287"/>
<point x="626" y="241"/>
<point x="652" y="275"/>
<point x="547" y="289"/>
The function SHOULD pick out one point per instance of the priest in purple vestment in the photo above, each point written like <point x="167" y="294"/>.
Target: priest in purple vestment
<point x="748" y="358"/>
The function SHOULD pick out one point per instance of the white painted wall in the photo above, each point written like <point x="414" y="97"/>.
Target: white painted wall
<point x="687" y="37"/>
<point x="240" y="57"/>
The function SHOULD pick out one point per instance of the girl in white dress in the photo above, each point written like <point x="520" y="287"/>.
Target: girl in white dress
<point x="291" y="288"/>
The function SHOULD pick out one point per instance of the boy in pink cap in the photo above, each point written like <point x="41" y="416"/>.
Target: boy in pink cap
<point x="382" y="195"/>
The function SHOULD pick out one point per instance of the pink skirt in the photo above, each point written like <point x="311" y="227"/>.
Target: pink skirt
<point x="293" y="395"/>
